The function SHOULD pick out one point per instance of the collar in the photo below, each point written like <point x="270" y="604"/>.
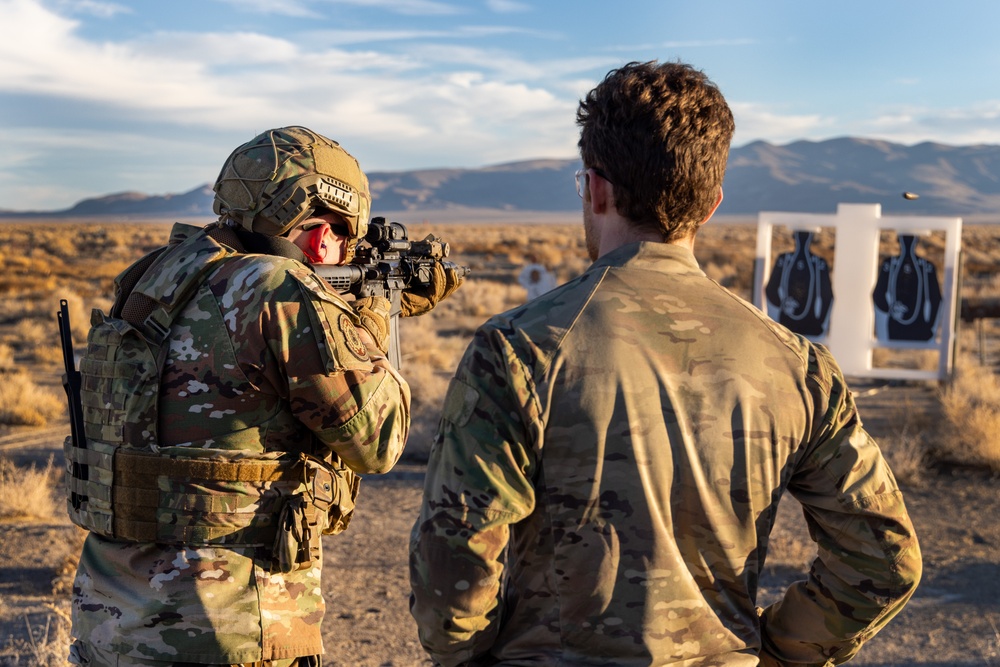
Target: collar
<point x="651" y="256"/>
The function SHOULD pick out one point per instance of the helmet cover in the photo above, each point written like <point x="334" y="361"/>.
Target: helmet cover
<point x="283" y="176"/>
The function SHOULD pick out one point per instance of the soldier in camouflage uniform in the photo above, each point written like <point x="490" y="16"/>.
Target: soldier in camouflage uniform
<point x="230" y="399"/>
<point x="611" y="455"/>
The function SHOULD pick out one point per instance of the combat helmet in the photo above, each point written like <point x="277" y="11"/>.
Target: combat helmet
<point x="281" y="177"/>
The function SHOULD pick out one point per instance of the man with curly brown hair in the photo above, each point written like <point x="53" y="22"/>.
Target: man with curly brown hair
<point x="611" y="455"/>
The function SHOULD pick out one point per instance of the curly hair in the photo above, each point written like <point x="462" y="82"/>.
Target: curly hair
<point x="661" y="134"/>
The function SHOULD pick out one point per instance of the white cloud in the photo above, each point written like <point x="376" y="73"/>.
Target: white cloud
<point x="756" y="121"/>
<point x="215" y="49"/>
<point x="104" y="10"/>
<point x="394" y="110"/>
<point x="294" y="8"/>
<point x="443" y="95"/>
<point x="407" y="7"/>
<point x="507" y="6"/>
<point x="688" y="44"/>
<point x="978" y="124"/>
<point x="42" y="55"/>
<point x="246" y="79"/>
<point x="471" y="32"/>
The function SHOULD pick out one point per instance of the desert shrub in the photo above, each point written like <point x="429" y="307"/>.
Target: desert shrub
<point x="484" y="298"/>
<point x="26" y="493"/>
<point x="429" y="358"/>
<point x="428" y="389"/>
<point x="723" y="273"/>
<point x="36" y="340"/>
<point x="424" y="346"/>
<point x="29" y="332"/>
<point x="726" y="253"/>
<point x="907" y="455"/>
<point x="6" y="358"/>
<point x="58" y="246"/>
<point x="33" y="328"/>
<point x="22" y="402"/>
<point x="923" y="360"/>
<point x="48" y="353"/>
<point x="971" y="407"/>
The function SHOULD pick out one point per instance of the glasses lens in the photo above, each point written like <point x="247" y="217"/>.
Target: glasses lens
<point x="579" y="181"/>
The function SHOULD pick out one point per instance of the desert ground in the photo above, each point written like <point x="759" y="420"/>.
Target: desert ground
<point x="942" y="440"/>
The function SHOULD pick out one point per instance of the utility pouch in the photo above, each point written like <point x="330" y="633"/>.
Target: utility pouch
<point x="334" y="489"/>
<point x="291" y="541"/>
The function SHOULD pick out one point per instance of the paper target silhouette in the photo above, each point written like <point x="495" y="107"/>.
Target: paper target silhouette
<point x="536" y="279"/>
<point x="907" y="296"/>
<point x="799" y="292"/>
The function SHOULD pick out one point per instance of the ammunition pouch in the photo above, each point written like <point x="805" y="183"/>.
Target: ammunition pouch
<point x="325" y="507"/>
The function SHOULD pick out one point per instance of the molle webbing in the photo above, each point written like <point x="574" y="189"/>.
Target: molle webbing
<point x="190" y="501"/>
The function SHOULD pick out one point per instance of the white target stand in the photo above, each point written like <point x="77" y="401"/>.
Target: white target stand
<point x="851" y="333"/>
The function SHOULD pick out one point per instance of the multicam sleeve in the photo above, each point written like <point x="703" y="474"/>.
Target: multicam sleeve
<point x="358" y="408"/>
<point x="868" y="561"/>
<point x="478" y="483"/>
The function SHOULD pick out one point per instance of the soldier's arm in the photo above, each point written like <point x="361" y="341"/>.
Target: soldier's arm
<point x="352" y="401"/>
<point x="478" y="483"/>
<point x="868" y="560"/>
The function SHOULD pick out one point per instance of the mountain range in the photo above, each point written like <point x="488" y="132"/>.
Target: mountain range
<point x="803" y="176"/>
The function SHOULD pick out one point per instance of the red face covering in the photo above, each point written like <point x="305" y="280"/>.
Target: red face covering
<point x="318" y="241"/>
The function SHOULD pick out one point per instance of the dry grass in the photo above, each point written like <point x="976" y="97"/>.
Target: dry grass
<point x="26" y="493"/>
<point x="971" y="406"/>
<point x="78" y="261"/>
<point x="429" y="358"/>
<point x="789" y="543"/>
<point x="907" y="454"/>
<point x="6" y="358"/>
<point x="46" y="645"/>
<point x="23" y="403"/>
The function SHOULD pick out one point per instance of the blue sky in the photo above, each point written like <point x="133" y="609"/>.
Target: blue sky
<point x="102" y="96"/>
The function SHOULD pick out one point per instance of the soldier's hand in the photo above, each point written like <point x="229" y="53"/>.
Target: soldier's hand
<point x="373" y="313"/>
<point x="420" y="299"/>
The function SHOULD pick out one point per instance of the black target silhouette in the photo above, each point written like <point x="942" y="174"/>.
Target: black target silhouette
<point x="799" y="292"/>
<point x="907" y="296"/>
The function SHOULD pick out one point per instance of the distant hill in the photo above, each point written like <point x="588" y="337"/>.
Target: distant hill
<point x="813" y="176"/>
<point x="806" y="176"/>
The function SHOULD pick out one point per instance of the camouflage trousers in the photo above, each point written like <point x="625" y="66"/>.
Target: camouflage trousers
<point x="85" y="655"/>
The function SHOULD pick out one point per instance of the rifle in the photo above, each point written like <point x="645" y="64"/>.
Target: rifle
<point x="385" y="264"/>
<point x="71" y="383"/>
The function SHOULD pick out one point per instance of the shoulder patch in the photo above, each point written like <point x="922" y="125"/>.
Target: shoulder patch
<point x="354" y="343"/>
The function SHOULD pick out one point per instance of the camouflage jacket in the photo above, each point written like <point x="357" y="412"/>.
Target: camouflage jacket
<point x="607" y="472"/>
<point x="244" y="357"/>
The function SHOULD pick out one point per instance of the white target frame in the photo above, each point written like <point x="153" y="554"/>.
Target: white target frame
<point x="851" y="335"/>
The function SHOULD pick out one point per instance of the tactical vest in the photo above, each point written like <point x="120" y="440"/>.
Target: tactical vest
<point x="124" y="484"/>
